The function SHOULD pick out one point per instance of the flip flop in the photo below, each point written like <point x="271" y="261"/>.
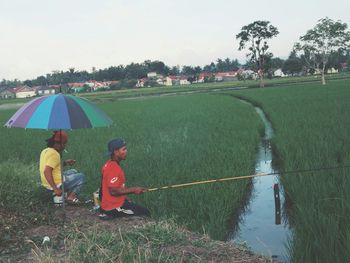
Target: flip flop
<point x="74" y="201"/>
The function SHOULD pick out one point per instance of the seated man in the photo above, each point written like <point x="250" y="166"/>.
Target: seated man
<point x="114" y="201"/>
<point x="50" y="170"/>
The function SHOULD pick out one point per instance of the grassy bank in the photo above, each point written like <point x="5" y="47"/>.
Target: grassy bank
<point x="311" y="131"/>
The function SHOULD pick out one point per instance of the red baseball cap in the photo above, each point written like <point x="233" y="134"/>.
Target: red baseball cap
<point x="60" y="136"/>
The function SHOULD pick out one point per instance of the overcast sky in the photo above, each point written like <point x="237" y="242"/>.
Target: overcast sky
<point x="40" y="36"/>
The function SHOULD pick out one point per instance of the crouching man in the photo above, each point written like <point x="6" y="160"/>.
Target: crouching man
<point x="114" y="201"/>
<point x="50" y="170"/>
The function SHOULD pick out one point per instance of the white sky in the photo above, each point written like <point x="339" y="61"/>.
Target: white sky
<point x="40" y="36"/>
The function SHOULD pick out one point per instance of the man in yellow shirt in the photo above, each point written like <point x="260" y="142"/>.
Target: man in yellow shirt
<point x="50" y="170"/>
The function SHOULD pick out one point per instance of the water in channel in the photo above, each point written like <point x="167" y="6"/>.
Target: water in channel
<point x="256" y="226"/>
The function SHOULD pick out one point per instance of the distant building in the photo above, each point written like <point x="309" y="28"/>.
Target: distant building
<point x="225" y="76"/>
<point x="279" y="73"/>
<point x="203" y="76"/>
<point x="248" y="74"/>
<point x="76" y="86"/>
<point x="169" y="80"/>
<point x="151" y="74"/>
<point x="141" y="83"/>
<point x="45" y="90"/>
<point x="7" y="94"/>
<point x="24" y="92"/>
<point x="184" y="80"/>
<point x="160" y="81"/>
<point x="332" y="71"/>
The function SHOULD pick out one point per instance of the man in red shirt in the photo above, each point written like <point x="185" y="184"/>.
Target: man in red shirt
<point x="114" y="201"/>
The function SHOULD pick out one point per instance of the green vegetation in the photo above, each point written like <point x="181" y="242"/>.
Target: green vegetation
<point x="311" y="131"/>
<point x="108" y="96"/>
<point x="201" y="136"/>
<point x="254" y="37"/>
<point x="170" y="139"/>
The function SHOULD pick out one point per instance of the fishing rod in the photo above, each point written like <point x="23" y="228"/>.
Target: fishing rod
<point x="244" y="177"/>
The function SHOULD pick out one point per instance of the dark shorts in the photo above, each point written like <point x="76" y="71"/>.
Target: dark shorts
<point x="127" y="209"/>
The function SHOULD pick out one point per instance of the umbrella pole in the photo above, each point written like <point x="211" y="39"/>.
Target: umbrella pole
<point x="62" y="177"/>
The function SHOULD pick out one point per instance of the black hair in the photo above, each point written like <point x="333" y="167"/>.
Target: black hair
<point x="50" y="142"/>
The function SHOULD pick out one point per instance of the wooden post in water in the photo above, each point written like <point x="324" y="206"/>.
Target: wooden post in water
<point x="277" y="204"/>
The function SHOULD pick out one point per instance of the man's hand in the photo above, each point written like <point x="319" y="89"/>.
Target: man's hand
<point x="69" y="162"/>
<point x="58" y="191"/>
<point x="139" y="190"/>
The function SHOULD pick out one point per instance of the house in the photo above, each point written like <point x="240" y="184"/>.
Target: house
<point x="248" y="74"/>
<point x="45" y="90"/>
<point x="141" y="83"/>
<point x="328" y="71"/>
<point x="203" y="76"/>
<point x="184" y="80"/>
<point x="279" y="73"/>
<point x="77" y="86"/>
<point x="24" y="92"/>
<point x="151" y="75"/>
<point x="57" y="88"/>
<point x="226" y="76"/>
<point x="160" y="81"/>
<point x="169" y="80"/>
<point x="332" y="71"/>
<point x="100" y="85"/>
<point x="7" y="94"/>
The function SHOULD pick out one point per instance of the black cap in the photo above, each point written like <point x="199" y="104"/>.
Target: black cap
<point x="115" y="144"/>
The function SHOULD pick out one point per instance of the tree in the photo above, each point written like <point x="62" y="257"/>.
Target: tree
<point x="175" y="70"/>
<point x="188" y="70"/>
<point x="276" y="63"/>
<point x="319" y="43"/>
<point x="210" y="68"/>
<point x="255" y="35"/>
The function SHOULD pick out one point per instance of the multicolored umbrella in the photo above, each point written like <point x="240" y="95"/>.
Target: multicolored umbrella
<point x="58" y="112"/>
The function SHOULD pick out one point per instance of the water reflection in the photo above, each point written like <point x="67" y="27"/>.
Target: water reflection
<point x="256" y="225"/>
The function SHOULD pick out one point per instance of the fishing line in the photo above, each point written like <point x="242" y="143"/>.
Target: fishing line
<point x="245" y="177"/>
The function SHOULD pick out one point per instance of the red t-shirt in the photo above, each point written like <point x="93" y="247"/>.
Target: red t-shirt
<point x="112" y="176"/>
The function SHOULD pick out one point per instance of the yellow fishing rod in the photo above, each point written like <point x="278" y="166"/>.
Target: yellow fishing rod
<point x="243" y="177"/>
<point x="208" y="181"/>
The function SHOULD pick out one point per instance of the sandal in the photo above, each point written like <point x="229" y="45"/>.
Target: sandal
<point x="74" y="201"/>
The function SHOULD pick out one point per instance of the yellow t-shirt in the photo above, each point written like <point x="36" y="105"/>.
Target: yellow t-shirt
<point x="50" y="157"/>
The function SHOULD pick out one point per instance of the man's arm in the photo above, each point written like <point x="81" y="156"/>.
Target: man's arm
<point x="118" y="191"/>
<point x="48" y="175"/>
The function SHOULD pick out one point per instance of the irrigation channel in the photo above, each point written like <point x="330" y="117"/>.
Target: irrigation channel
<point x="257" y="225"/>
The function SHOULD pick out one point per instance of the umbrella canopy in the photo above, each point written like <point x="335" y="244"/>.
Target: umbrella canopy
<point x="58" y="112"/>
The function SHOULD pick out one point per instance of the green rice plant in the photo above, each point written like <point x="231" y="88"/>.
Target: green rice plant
<point x="171" y="140"/>
<point x="311" y="131"/>
<point x="21" y="193"/>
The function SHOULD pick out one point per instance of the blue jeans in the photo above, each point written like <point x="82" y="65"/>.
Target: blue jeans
<point x="73" y="181"/>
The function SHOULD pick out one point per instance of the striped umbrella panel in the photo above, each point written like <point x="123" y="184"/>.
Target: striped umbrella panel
<point x="59" y="112"/>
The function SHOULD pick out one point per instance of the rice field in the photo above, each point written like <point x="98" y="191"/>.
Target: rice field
<point x="171" y="140"/>
<point x="312" y="131"/>
<point x="181" y="139"/>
